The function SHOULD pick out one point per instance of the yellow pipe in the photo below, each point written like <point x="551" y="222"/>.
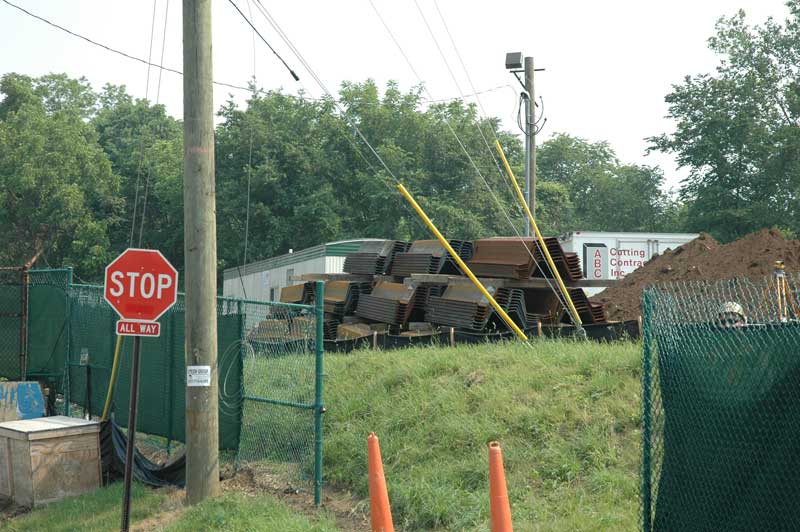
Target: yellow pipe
<point x="111" y="381"/>
<point x="461" y="264"/>
<point x="572" y="310"/>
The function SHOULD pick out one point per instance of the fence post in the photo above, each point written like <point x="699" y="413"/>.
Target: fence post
<point x="23" y="324"/>
<point x="67" y="384"/>
<point x="646" y="417"/>
<point x="242" y="391"/>
<point x="318" y="407"/>
<point x="172" y="372"/>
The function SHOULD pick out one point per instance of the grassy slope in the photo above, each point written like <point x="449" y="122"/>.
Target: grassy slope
<point x="99" y="511"/>
<point x="566" y="414"/>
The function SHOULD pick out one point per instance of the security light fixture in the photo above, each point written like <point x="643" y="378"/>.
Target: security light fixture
<point x="513" y="60"/>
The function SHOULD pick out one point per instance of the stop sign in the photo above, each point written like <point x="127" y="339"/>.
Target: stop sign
<point x="141" y="284"/>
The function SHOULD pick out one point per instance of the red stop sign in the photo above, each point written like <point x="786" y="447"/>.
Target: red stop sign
<point x="141" y="284"/>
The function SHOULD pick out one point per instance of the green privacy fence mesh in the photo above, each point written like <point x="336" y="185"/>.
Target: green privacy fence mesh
<point x="721" y="406"/>
<point x="163" y="371"/>
<point x="270" y="368"/>
<point x="11" y="319"/>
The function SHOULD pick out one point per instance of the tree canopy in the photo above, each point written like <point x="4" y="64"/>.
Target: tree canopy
<point x="85" y="174"/>
<point x="738" y="130"/>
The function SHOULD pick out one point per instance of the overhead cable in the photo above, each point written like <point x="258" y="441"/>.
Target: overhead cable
<point x="114" y="50"/>
<point x="264" y="40"/>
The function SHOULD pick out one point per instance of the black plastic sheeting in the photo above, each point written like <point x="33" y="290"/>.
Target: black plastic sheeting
<point x="608" y="332"/>
<point x="113" y="443"/>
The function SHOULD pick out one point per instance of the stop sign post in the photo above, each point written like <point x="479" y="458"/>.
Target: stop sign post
<point x="140" y="285"/>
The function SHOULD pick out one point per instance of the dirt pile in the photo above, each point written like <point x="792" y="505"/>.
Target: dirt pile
<point x="702" y="259"/>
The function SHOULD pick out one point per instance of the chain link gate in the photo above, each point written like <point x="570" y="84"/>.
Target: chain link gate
<point x="721" y="405"/>
<point x="282" y="407"/>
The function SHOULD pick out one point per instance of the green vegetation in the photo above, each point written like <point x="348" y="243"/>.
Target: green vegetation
<point x="99" y="511"/>
<point x="238" y="512"/>
<point x="76" y="164"/>
<point x="74" y="161"/>
<point x="567" y="416"/>
<point x="737" y="130"/>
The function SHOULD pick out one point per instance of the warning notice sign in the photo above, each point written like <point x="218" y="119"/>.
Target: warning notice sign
<point x="198" y="376"/>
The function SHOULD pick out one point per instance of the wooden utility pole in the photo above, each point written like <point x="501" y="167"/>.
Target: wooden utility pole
<point x="530" y="138"/>
<point x="200" y="252"/>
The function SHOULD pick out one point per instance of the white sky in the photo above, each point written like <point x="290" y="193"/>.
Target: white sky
<point x="609" y="63"/>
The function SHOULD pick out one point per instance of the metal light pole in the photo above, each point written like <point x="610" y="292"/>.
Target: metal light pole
<point x="517" y="64"/>
<point x="530" y="135"/>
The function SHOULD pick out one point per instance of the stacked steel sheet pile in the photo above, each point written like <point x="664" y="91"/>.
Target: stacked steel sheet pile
<point x="464" y="307"/>
<point x="374" y="257"/>
<point x="429" y="256"/>
<point x="302" y="294"/>
<point x="510" y="258"/>
<point x="521" y="258"/>
<point x="589" y="311"/>
<point x="512" y="300"/>
<point x="514" y="258"/>
<point x="568" y="264"/>
<point x="390" y="303"/>
<point x="340" y="299"/>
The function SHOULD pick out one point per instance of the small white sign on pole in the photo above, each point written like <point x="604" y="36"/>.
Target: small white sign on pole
<point x="198" y="376"/>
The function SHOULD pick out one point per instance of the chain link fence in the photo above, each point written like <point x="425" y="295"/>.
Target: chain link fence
<point x="13" y="321"/>
<point x="721" y="405"/>
<point x="269" y="366"/>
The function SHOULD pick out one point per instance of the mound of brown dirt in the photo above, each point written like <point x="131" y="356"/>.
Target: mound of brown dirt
<point x="704" y="258"/>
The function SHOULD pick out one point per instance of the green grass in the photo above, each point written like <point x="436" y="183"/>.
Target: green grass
<point x="238" y="512"/>
<point x="566" y="414"/>
<point x="99" y="511"/>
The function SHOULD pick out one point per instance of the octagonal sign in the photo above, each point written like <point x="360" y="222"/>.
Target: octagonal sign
<point x="140" y="285"/>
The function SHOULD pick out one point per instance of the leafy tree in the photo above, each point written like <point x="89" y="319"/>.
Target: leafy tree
<point x="313" y="179"/>
<point x="738" y="129"/>
<point x="58" y="195"/>
<point x="145" y="147"/>
<point x="604" y="194"/>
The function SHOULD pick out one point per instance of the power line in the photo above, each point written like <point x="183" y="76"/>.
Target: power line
<point x="447" y="122"/>
<point x="324" y="88"/>
<point x="180" y="73"/>
<point x="114" y="50"/>
<point x="158" y="96"/>
<point x="265" y="41"/>
<point x="249" y="163"/>
<point x="141" y="139"/>
<point x="561" y="299"/>
<point x="342" y="113"/>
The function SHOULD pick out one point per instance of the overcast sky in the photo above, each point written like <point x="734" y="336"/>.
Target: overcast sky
<point x="608" y="63"/>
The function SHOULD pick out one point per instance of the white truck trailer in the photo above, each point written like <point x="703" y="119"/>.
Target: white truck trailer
<point x="606" y="255"/>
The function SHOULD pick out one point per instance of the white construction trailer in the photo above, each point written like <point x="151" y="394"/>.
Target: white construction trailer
<point x="263" y="280"/>
<point x="607" y="255"/>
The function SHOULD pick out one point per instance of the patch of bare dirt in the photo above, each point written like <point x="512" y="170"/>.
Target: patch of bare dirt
<point x="170" y="510"/>
<point x="350" y="513"/>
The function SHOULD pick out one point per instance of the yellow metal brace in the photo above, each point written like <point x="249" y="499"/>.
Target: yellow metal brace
<point x="113" y="379"/>
<point x="573" y="312"/>
<point x="461" y="264"/>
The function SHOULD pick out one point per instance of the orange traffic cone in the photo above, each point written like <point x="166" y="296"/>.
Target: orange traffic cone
<point x="379" y="510"/>
<point x="498" y="496"/>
